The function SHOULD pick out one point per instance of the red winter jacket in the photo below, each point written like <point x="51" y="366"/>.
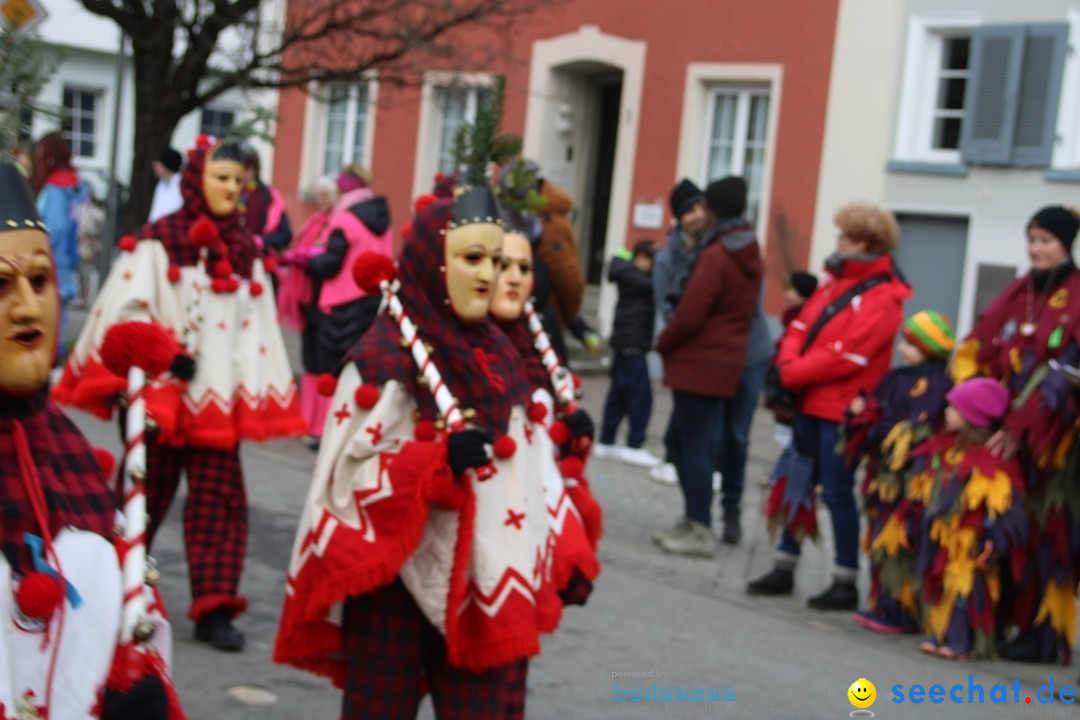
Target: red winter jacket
<point x="852" y="352"/>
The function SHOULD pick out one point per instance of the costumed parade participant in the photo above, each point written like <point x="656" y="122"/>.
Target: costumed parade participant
<point x="66" y="652"/>
<point x="902" y="413"/>
<point x="575" y="515"/>
<point x="1025" y="339"/>
<point x="420" y="560"/>
<point x="198" y="274"/>
<point x="974" y="530"/>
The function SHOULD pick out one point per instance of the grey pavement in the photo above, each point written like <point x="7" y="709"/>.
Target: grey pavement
<point x="674" y="621"/>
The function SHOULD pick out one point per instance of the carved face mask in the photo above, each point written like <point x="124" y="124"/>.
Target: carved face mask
<point x="29" y="311"/>
<point x="515" y="282"/>
<point x="471" y="256"/>
<point x="222" y="180"/>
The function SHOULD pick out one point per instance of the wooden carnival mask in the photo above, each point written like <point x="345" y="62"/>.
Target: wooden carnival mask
<point x="29" y="310"/>
<point x="472" y="253"/>
<point x="223" y="177"/>
<point x="515" y="280"/>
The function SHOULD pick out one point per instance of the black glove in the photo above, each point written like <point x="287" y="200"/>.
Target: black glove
<point x="580" y="424"/>
<point x="145" y="701"/>
<point x="466" y="450"/>
<point x="183" y="366"/>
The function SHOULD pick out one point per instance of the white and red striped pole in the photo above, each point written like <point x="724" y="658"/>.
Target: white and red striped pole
<point x="561" y="379"/>
<point x="135" y="626"/>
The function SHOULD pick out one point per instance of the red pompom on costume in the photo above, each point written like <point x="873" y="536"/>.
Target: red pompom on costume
<point x="537" y="412"/>
<point x="366" y="396"/>
<point x="256" y="289"/>
<point x="424" y="430"/>
<point x="572" y="467"/>
<point x="370" y="269"/>
<point x="505" y="447"/>
<point x="204" y="232"/>
<point x="559" y="432"/>
<point x="327" y="384"/>
<point x="223" y="269"/>
<point x="173" y="274"/>
<point x="127" y="243"/>
<point x="140" y="344"/>
<point x="39" y="595"/>
<point x="106" y="460"/>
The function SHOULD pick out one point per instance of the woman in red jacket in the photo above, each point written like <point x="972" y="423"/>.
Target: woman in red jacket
<point x="838" y="346"/>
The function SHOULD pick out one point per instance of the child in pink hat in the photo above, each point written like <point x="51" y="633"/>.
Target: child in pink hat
<point x="973" y="529"/>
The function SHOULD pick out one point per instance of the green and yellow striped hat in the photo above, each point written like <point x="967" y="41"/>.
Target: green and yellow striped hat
<point x="931" y="332"/>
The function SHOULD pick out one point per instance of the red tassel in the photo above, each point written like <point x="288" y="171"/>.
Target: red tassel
<point x="127" y="243"/>
<point x="326" y="384"/>
<point x="559" y="432"/>
<point x="140" y="344"/>
<point x="256" y="289"/>
<point x="204" y="232"/>
<point x="173" y="273"/>
<point x="537" y="412"/>
<point x="366" y="395"/>
<point x="505" y="447"/>
<point x="223" y="268"/>
<point x="39" y="595"/>
<point x="371" y="268"/>
<point x="424" y="431"/>
<point x="572" y="467"/>
<point x="106" y="460"/>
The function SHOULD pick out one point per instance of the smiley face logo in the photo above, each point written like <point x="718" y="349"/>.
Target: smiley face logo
<point x="862" y="693"/>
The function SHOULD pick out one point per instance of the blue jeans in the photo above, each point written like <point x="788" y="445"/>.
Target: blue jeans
<point x="630" y="395"/>
<point x="693" y="436"/>
<point x="838" y="481"/>
<point x="734" y="440"/>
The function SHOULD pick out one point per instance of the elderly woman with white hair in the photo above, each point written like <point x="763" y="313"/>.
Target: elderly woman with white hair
<point x="334" y="312"/>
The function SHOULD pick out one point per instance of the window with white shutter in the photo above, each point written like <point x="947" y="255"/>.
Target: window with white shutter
<point x="1012" y="94"/>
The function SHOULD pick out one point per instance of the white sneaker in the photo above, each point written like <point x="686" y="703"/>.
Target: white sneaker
<point x="665" y="474"/>
<point x="638" y="456"/>
<point x="600" y="450"/>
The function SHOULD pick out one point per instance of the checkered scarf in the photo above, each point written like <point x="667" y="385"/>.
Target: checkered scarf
<point x="75" y="489"/>
<point x="522" y="339"/>
<point x="477" y="362"/>
<point x="172" y="230"/>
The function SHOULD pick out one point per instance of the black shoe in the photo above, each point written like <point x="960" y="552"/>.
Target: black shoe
<point x="778" y="581"/>
<point x="732" y="531"/>
<point x="217" y="629"/>
<point x="1028" y="649"/>
<point x="839" y="596"/>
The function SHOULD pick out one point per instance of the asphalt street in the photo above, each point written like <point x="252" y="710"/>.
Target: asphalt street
<point x="652" y="619"/>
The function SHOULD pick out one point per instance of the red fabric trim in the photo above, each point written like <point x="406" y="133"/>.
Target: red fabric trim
<point x="235" y="604"/>
<point x="65" y="178"/>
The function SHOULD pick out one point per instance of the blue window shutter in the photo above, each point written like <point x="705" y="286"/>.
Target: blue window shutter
<point x="1040" y="87"/>
<point x="997" y="52"/>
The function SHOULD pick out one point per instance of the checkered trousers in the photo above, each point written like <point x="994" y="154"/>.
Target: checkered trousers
<point x="215" y="514"/>
<point x="391" y="650"/>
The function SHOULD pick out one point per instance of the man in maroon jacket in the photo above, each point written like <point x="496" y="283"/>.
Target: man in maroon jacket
<point x="704" y="347"/>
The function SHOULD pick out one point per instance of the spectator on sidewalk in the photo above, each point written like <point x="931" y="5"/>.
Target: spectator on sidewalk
<point x="167" y="197"/>
<point x="850" y="321"/>
<point x="630" y="394"/>
<point x="688" y="208"/>
<point x="262" y="206"/>
<point x="704" y="348"/>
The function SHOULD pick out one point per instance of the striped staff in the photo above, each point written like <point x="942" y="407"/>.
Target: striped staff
<point x="561" y="378"/>
<point x="375" y="272"/>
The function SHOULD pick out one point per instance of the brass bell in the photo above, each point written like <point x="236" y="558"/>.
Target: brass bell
<point x="469" y="414"/>
<point x="440" y="424"/>
<point x="144" y="630"/>
<point x="404" y="343"/>
<point x="153" y="576"/>
<point x="151" y="425"/>
<point x="429" y="347"/>
<point x="138" y="476"/>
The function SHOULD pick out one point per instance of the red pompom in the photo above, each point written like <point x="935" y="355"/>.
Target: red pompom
<point x="572" y="467"/>
<point x="327" y="384"/>
<point x="39" y="595"/>
<point x="223" y="269"/>
<point x="256" y="289"/>
<point x="424" y="430"/>
<point x="127" y="243"/>
<point x="106" y="460"/>
<point x="422" y="201"/>
<point x="406" y="229"/>
<point x="577" y="380"/>
<point x="505" y="447"/>
<point x="270" y="264"/>
<point x="173" y="273"/>
<point x="559" y="432"/>
<point x="371" y="268"/>
<point x="141" y="344"/>
<point x="232" y="284"/>
<point x="204" y="232"/>
<point x="366" y="396"/>
<point x="219" y="286"/>
<point x="537" y="412"/>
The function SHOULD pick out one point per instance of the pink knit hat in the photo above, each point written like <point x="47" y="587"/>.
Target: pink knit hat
<point x="981" y="401"/>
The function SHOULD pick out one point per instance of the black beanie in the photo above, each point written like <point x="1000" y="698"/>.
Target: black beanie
<point x="170" y="159"/>
<point x="804" y="283"/>
<point x="1060" y="222"/>
<point x="727" y="197"/>
<point x="683" y="196"/>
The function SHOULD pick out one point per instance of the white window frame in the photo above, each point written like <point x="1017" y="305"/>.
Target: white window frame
<point x="218" y="109"/>
<point x="743" y="94"/>
<point x="1067" y="149"/>
<point x="703" y="81"/>
<point x="98" y="117"/>
<point x="918" y="92"/>
<point x="316" y="114"/>
<point x="430" y="125"/>
<point x="352" y="111"/>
